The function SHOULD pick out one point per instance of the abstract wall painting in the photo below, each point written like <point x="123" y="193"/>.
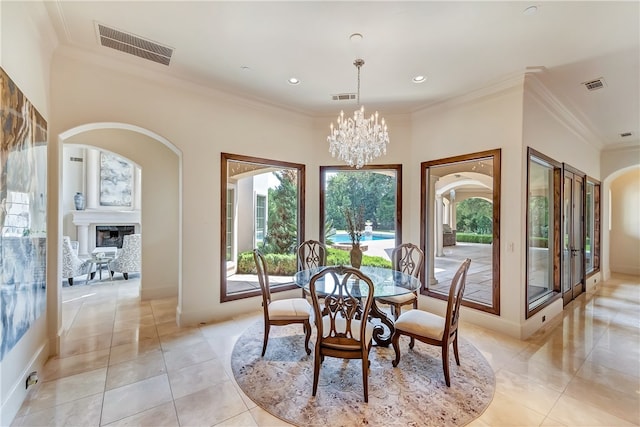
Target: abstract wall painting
<point x="23" y="214"/>
<point x="116" y="177"/>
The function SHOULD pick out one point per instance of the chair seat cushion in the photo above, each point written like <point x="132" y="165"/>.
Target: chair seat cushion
<point x="341" y="327"/>
<point x="421" y="323"/>
<point x="289" y="309"/>
<point x="399" y="299"/>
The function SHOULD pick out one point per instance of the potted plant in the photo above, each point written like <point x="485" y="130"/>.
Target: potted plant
<point x="355" y="228"/>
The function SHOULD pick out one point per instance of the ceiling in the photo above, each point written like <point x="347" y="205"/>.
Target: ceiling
<point x="253" y="48"/>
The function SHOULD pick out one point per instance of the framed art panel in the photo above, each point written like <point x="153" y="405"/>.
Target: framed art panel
<point x="23" y="214"/>
<point x="116" y="178"/>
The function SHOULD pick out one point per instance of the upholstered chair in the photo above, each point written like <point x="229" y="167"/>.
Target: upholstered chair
<point x="341" y="320"/>
<point x="311" y="254"/>
<point x="280" y="312"/>
<point x="409" y="259"/>
<point x="128" y="258"/>
<point x="432" y="329"/>
<point x="72" y="266"/>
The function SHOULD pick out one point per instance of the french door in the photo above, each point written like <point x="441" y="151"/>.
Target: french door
<point x="573" y="262"/>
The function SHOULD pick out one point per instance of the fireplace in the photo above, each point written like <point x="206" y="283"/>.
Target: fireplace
<point x="111" y="235"/>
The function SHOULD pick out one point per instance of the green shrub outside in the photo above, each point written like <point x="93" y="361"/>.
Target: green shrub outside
<point x="286" y="264"/>
<point x="474" y="238"/>
<point x="538" y="242"/>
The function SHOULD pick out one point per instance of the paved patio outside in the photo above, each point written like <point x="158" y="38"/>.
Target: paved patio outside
<point x="479" y="277"/>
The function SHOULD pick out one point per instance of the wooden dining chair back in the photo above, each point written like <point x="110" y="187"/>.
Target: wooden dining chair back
<point x="311" y="254"/>
<point x="341" y="319"/>
<point x="433" y="329"/>
<point x="409" y="259"/>
<point x="280" y="312"/>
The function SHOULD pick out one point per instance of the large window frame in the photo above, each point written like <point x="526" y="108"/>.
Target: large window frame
<point x="427" y="238"/>
<point x="396" y="168"/>
<point x="554" y="223"/>
<point x="225" y="186"/>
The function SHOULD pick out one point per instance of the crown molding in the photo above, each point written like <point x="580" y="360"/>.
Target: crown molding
<point x="507" y="83"/>
<point x="631" y="146"/>
<point x="570" y="118"/>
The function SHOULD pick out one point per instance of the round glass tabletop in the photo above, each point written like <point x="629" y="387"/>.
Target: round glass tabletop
<point x="386" y="282"/>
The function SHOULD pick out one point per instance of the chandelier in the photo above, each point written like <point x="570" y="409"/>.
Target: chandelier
<point x="358" y="140"/>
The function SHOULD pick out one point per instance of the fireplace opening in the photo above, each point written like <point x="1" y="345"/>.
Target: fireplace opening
<point x="111" y="235"/>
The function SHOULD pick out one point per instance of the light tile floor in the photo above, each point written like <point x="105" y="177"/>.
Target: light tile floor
<point x="125" y="362"/>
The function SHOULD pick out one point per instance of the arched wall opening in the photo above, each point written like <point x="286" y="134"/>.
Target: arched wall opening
<point x="161" y="198"/>
<point x="620" y="223"/>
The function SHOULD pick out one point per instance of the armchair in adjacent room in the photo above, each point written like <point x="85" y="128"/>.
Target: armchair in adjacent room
<point x="128" y="258"/>
<point x="72" y="265"/>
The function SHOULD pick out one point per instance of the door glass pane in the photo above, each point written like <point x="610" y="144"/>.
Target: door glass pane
<point x="566" y="233"/>
<point x="589" y="227"/>
<point x="578" y="237"/>
<point x="540" y="232"/>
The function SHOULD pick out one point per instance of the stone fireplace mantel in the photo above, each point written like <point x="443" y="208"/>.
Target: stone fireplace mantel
<point x="86" y="222"/>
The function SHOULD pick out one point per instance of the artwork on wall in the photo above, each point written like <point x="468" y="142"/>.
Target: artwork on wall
<point x="23" y="214"/>
<point x="116" y="175"/>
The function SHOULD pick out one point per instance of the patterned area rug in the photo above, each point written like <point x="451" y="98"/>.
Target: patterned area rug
<point x="413" y="394"/>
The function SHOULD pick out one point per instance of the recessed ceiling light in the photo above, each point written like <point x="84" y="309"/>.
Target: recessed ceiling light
<point x="531" y="10"/>
<point x="355" y="37"/>
<point x="293" y="81"/>
<point x="419" y="79"/>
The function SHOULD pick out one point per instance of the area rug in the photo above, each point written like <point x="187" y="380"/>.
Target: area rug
<point x="413" y="394"/>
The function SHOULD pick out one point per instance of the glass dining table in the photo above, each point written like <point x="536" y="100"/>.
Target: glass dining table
<point x="386" y="282"/>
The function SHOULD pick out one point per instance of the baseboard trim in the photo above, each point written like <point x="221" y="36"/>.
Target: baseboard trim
<point x="156" y="293"/>
<point x="17" y="393"/>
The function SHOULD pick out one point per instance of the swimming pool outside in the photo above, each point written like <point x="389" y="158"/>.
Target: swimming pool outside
<point x="342" y="237"/>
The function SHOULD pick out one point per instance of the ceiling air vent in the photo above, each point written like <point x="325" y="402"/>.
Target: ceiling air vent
<point x="594" y="84"/>
<point x="134" y="45"/>
<point x="625" y="134"/>
<point x="343" y="96"/>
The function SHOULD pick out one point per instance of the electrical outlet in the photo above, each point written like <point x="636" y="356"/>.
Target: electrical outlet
<point x="32" y="379"/>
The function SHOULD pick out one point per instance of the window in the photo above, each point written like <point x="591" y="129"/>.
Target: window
<point x="543" y="230"/>
<point x="230" y="215"/>
<point x="261" y="218"/>
<point x="262" y="206"/>
<point x="592" y="219"/>
<point x="460" y="218"/>
<point x="377" y="190"/>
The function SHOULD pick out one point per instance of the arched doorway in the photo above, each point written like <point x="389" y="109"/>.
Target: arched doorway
<point x="161" y="194"/>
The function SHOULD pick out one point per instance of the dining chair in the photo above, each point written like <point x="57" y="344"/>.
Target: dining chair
<point x="409" y="259"/>
<point x="280" y="312"/>
<point x="311" y="254"/>
<point x="432" y="329"/>
<point x="341" y="321"/>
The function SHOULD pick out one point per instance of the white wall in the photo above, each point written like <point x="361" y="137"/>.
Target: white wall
<point x="73" y="180"/>
<point x="625" y="223"/>
<point x="552" y="130"/>
<point x="200" y="124"/>
<point x="614" y="163"/>
<point x="479" y="122"/>
<point x="27" y="41"/>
